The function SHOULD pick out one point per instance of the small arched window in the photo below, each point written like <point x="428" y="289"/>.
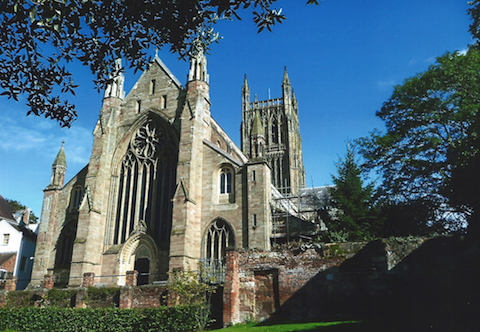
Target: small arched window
<point x="225" y="181"/>
<point x="77" y="196"/>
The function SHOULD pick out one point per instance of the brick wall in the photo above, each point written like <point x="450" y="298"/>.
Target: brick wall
<point x="9" y="264"/>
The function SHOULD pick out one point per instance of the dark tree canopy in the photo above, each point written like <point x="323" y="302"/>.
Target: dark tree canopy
<point x="429" y="154"/>
<point x="38" y="38"/>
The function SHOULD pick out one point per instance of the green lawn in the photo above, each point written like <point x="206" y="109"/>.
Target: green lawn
<point x="317" y="326"/>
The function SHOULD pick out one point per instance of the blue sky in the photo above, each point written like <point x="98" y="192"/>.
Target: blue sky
<point x="343" y="59"/>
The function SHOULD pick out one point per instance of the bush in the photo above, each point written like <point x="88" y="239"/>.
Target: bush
<point x="179" y="318"/>
<point x="20" y="299"/>
<point x="61" y="298"/>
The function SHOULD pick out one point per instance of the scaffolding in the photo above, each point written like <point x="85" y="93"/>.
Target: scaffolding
<point x="297" y="215"/>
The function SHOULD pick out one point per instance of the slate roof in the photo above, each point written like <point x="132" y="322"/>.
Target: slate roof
<point x="6" y="256"/>
<point x="6" y="211"/>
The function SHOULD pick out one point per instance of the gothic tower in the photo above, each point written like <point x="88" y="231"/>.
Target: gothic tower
<point x="280" y="135"/>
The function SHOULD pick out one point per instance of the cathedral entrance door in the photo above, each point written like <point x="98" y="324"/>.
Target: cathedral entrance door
<point x="142" y="265"/>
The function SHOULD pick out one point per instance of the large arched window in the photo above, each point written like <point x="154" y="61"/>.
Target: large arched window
<point x="225" y="181"/>
<point x="218" y="237"/>
<point x="146" y="184"/>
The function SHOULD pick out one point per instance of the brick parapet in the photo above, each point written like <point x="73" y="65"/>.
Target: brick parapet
<point x="131" y="279"/>
<point x="88" y="279"/>
<point x="48" y="281"/>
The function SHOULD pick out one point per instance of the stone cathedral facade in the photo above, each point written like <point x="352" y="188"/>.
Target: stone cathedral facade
<point x="165" y="186"/>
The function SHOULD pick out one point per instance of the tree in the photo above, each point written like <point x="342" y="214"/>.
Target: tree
<point x="353" y="213"/>
<point x="429" y="154"/>
<point x="38" y="38"/>
<point x="17" y="206"/>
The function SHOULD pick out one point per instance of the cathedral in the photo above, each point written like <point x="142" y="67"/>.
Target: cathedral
<point x="166" y="187"/>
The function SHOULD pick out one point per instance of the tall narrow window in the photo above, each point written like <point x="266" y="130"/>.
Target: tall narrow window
<point x="164" y="99"/>
<point x="139" y="106"/>
<point x="275" y="132"/>
<point x="225" y="181"/>
<point x="76" y="197"/>
<point x="152" y="87"/>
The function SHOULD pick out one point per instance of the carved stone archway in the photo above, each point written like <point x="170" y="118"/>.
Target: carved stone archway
<point x="139" y="247"/>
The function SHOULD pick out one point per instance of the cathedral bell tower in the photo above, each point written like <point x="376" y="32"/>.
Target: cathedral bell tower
<point x="273" y="125"/>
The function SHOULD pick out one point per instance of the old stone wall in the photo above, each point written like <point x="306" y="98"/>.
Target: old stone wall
<point x="306" y="281"/>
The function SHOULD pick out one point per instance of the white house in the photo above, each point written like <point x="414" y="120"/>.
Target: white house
<point x="17" y="243"/>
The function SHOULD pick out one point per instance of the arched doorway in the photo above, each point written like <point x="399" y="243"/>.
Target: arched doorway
<point x="141" y="254"/>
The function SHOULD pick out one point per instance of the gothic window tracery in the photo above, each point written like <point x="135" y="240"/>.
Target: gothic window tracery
<point x="215" y="242"/>
<point x="145" y="184"/>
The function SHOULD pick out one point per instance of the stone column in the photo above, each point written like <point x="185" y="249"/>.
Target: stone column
<point x="231" y="289"/>
<point x="48" y="281"/>
<point x="88" y="279"/>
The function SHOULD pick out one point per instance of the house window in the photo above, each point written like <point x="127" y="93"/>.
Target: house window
<point x="23" y="263"/>
<point x="225" y="181"/>
<point x="6" y="239"/>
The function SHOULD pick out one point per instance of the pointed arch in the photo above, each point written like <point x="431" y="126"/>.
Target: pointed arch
<point x="218" y="236"/>
<point x="143" y="180"/>
<point x="138" y="246"/>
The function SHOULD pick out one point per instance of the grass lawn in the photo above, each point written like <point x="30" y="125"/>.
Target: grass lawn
<point x="316" y="326"/>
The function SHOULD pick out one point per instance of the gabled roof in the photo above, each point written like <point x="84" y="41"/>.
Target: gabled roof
<point x="6" y="211"/>
<point x="168" y="72"/>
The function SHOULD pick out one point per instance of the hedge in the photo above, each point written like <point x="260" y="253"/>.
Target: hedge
<point x="179" y="318"/>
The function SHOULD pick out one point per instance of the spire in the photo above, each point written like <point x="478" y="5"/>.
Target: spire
<point x="257" y="139"/>
<point x="60" y="160"/>
<point x="257" y="128"/>
<point x="286" y="80"/>
<point x="245" y="92"/>
<point x="245" y="85"/>
<point x="59" y="168"/>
